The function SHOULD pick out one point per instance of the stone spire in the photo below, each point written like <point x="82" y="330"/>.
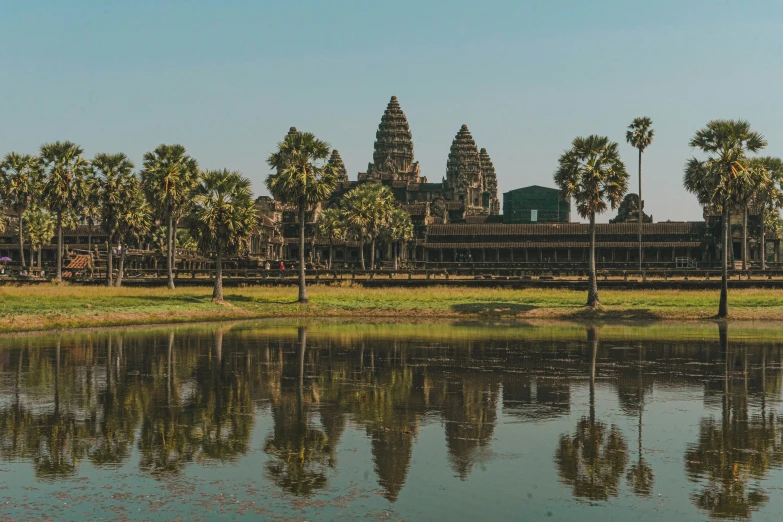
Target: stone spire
<point x="488" y="171"/>
<point x="337" y="161"/>
<point x="393" y="142"/>
<point x="463" y="166"/>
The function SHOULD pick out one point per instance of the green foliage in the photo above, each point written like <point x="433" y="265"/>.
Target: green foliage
<point x="331" y="225"/>
<point x="724" y="178"/>
<point x="302" y="175"/>
<point x="222" y="214"/>
<point x="168" y="176"/>
<point x="63" y="168"/>
<point x="399" y="227"/>
<point x="20" y="181"/>
<point x="640" y="133"/>
<point x="366" y="209"/>
<point x="114" y="177"/>
<point x="592" y="174"/>
<point x="38" y="226"/>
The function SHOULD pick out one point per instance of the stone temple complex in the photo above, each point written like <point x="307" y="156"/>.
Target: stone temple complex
<point x="458" y="220"/>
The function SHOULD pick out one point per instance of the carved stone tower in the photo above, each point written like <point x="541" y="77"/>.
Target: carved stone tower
<point x="463" y="172"/>
<point x="337" y="161"/>
<point x="392" y="158"/>
<point x="490" y="183"/>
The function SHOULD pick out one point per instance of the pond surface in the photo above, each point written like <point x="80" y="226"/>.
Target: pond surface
<point x="450" y="422"/>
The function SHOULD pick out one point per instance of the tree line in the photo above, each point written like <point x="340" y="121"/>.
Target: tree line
<point x="59" y="188"/>
<point x="728" y="178"/>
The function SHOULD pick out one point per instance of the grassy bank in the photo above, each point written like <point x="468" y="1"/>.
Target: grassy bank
<point x="25" y="308"/>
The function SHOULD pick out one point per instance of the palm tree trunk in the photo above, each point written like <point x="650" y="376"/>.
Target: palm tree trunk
<point x="302" y="282"/>
<point x="361" y="249"/>
<point x="763" y="238"/>
<point x="396" y="254"/>
<point x="372" y="254"/>
<point x="21" y="240"/>
<point x="723" y="307"/>
<point x="89" y="237"/>
<point x="39" y="256"/>
<point x="121" y="271"/>
<point x="59" y="277"/>
<point x="641" y="211"/>
<point x="109" y="264"/>
<point x="170" y="253"/>
<point x="745" y="238"/>
<point x="331" y="253"/>
<point x="592" y="290"/>
<point x="217" y="291"/>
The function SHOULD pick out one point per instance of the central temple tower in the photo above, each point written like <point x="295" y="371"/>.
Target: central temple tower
<point x="392" y="158"/>
<point x="470" y="176"/>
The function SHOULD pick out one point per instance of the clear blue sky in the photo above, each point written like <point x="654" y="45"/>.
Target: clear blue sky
<point x="227" y="79"/>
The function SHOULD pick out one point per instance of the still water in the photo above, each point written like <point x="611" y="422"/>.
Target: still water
<point x="451" y="422"/>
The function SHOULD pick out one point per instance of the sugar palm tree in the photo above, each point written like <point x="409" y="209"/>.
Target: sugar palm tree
<point x="303" y="179"/>
<point x="134" y="221"/>
<point x="640" y="135"/>
<point x="63" y="166"/>
<point x="39" y="229"/>
<point x="758" y="187"/>
<point x="20" y="186"/>
<point x="399" y="230"/>
<point x="592" y="173"/>
<point x="769" y="196"/>
<point x="168" y="176"/>
<point x="332" y="227"/>
<point x="717" y="180"/>
<point x="367" y="209"/>
<point x="91" y="207"/>
<point x="222" y="217"/>
<point x="114" y="173"/>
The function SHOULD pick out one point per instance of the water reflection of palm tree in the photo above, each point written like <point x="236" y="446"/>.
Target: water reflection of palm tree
<point x="301" y="453"/>
<point x="592" y="460"/>
<point x="640" y="475"/>
<point x="731" y="454"/>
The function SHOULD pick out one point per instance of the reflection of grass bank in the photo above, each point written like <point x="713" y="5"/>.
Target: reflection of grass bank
<point x="47" y="307"/>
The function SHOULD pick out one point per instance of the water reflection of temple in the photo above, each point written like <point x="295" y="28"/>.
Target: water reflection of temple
<point x="191" y="397"/>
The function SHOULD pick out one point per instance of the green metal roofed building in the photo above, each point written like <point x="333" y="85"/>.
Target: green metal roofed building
<point x="535" y="204"/>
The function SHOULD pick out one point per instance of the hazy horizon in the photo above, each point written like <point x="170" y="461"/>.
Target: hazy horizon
<point x="228" y="81"/>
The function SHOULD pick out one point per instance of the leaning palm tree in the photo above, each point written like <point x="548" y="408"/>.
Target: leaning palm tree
<point x="717" y="180"/>
<point x="332" y="227"/>
<point x="63" y="166"/>
<point x="302" y="179"/>
<point x="222" y="217"/>
<point x="20" y="186"/>
<point x="640" y="135"/>
<point x="114" y="173"/>
<point x="168" y="176"/>
<point x="769" y="197"/>
<point x="592" y="173"/>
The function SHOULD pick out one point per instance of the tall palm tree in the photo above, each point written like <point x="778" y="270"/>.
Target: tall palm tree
<point x="367" y="209"/>
<point x="769" y="196"/>
<point x="757" y="187"/>
<point x="222" y="217"/>
<point x="168" y="176"/>
<point x="63" y="166"/>
<point x="593" y="174"/>
<point x="114" y="173"/>
<point x="717" y="180"/>
<point x="399" y="230"/>
<point x="332" y="227"/>
<point x="20" y="186"/>
<point x="640" y="135"/>
<point x="135" y="219"/>
<point x="302" y="179"/>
